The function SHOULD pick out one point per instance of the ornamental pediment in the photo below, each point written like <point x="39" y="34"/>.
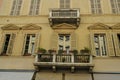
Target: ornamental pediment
<point x="117" y="26"/>
<point x="99" y="26"/>
<point x="10" y="27"/>
<point x="64" y="26"/>
<point x="31" y="27"/>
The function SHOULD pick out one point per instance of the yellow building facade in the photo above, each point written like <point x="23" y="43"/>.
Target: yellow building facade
<point x="26" y="25"/>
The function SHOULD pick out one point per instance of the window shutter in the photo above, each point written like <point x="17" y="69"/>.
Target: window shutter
<point x="73" y="41"/>
<point x="24" y="42"/>
<point x="2" y="42"/>
<point x="11" y="43"/>
<point x="92" y="44"/>
<point x="54" y="41"/>
<point x="109" y="43"/>
<point x="37" y="42"/>
<point x="116" y="44"/>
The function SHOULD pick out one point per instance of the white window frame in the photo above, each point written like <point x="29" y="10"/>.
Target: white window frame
<point x="16" y="7"/>
<point x="100" y="46"/>
<point x="65" y="3"/>
<point x="96" y="6"/>
<point x="115" y="6"/>
<point x="34" y="7"/>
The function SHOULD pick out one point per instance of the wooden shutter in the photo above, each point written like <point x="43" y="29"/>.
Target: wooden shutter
<point x="54" y="42"/>
<point x="37" y="42"/>
<point x="92" y="44"/>
<point x="116" y="44"/>
<point x="11" y="43"/>
<point x="24" y="43"/>
<point x="2" y="42"/>
<point x="109" y="45"/>
<point x="73" y="41"/>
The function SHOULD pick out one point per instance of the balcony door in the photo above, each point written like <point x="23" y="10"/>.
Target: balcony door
<point x="64" y="42"/>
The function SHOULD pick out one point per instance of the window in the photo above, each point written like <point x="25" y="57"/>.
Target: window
<point x="64" y="42"/>
<point x="16" y="7"/>
<point x="96" y="6"/>
<point x="118" y="39"/>
<point x="115" y="4"/>
<point x="99" y="42"/>
<point x="8" y="44"/>
<point x="29" y="44"/>
<point x="64" y="3"/>
<point x="34" y="8"/>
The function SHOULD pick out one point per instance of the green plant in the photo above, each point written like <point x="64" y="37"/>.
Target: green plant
<point x="51" y="51"/>
<point x="75" y="52"/>
<point x="60" y="51"/>
<point x="41" y="50"/>
<point x="85" y="50"/>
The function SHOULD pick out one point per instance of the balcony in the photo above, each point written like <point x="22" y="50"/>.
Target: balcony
<point x="56" y="61"/>
<point x="69" y="16"/>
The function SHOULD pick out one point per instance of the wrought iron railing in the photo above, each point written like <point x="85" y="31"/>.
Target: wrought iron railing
<point x="59" y="13"/>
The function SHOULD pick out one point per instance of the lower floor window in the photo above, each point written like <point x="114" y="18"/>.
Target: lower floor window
<point x="29" y="44"/>
<point x="118" y="35"/>
<point x="100" y="44"/>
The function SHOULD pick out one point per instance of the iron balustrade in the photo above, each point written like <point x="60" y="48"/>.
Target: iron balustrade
<point x="63" y="58"/>
<point x="82" y="58"/>
<point x="59" y="13"/>
<point x="45" y="58"/>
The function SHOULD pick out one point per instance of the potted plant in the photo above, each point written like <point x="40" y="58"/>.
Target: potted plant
<point x="51" y="51"/>
<point x="85" y="50"/>
<point x="75" y="52"/>
<point x="41" y="50"/>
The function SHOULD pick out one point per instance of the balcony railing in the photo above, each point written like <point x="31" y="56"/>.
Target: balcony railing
<point x="64" y="13"/>
<point x="63" y="60"/>
<point x="70" y="16"/>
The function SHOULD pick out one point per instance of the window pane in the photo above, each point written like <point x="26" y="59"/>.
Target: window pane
<point x="16" y="7"/>
<point x="34" y="8"/>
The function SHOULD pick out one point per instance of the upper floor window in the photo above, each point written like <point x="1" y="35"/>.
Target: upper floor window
<point x="16" y="7"/>
<point x="96" y="6"/>
<point x="64" y="3"/>
<point x="34" y="8"/>
<point x="115" y="5"/>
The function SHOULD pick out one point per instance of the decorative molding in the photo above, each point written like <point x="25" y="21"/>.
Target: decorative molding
<point x="31" y="27"/>
<point x="64" y="26"/>
<point x="99" y="26"/>
<point x="116" y="26"/>
<point x="10" y="27"/>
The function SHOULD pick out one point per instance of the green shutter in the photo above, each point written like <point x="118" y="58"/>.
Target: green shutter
<point x="92" y="44"/>
<point x="116" y="44"/>
<point x="54" y="42"/>
<point x="73" y="41"/>
<point x="109" y="43"/>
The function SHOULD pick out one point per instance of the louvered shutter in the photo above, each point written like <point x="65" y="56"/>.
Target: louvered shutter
<point x="73" y="41"/>
<point x="54" y="42"/>
<point x="2" y="42"/>
<point x="24" y="42"/>
<point x="116" y="44"/>
<point x="11" y="43"/>
<point x="92" y="44"/>
<point x="37" y="42"/>
<point x="109" y="43"/>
